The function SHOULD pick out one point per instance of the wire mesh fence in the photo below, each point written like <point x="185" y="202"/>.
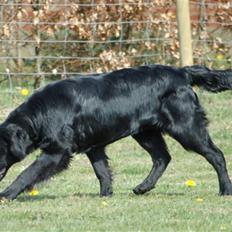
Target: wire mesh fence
<point x="52" y="39"/>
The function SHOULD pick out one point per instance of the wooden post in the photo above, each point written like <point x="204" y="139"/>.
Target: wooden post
<point x="184" y="31"/>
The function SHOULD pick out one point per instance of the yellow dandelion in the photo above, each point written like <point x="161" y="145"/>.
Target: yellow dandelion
<point x="222" y="228"/>
<point x="33" y="192"/>
<point x="24" y="92"/>
<point x="219" y="57"/>
<point x="199" y="200"/>
<point x="104" y="204"/>
<point x="190" y="183"/>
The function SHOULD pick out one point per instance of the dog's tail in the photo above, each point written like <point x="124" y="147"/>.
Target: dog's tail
<point x="211" y="80"/>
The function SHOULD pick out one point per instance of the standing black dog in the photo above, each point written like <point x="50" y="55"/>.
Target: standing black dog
<point x="85" y="114"/>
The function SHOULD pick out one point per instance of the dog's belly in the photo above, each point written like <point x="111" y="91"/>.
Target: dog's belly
<point x="100" y="133"/>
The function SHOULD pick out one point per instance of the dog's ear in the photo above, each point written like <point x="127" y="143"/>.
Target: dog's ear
<point x="19" y="141"/>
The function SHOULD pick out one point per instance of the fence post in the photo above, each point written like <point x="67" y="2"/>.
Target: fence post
<point x="184" y="31"/>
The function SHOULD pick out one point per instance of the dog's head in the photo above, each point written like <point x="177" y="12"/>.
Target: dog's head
<point x="5" y="158"/>
<point x="13" y="141"/>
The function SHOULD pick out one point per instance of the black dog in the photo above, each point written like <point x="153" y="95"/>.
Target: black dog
<point x="87" y="113"/>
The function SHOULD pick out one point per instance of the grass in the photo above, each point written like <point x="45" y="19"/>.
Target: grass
<point x="70" y="202"/>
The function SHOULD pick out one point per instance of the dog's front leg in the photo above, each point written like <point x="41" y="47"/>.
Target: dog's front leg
<point x="30" y="175"/>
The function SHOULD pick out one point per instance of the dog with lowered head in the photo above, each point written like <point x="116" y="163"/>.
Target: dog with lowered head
<point x="85" y="114"/>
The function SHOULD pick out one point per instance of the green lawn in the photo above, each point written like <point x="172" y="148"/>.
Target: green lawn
<point x="70" y="201"/>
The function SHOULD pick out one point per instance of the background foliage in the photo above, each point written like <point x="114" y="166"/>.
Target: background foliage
<point x="60" y="37"/>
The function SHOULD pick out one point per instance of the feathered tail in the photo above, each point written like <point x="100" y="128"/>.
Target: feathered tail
<point x="211" y="80"/>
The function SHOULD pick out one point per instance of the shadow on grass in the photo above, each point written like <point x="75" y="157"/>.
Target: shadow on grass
<point x="37" y="198"/>
<point x="94" y="195"/>
<point x="169" y="194"/>
<point x="42" y="197"/>
<point x="157" y="194"/>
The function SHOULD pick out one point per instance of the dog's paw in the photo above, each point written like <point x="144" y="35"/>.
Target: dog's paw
<point x="143" y="188"/>
<point x="226" y="191"/>
<point x="107" y="192"/>
<point x="7" y="196"/>
<point x="139" y="190"/>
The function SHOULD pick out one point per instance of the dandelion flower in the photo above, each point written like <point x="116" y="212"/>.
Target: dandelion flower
<point x="190" y="183"/>
<point x="222" y="228"/>
<point x="199" y="200"/>
<point x="24" y="92"/>
<point x="104" y="204"/>
<point x="219" y="57"/>
<point x="33" y="192"/>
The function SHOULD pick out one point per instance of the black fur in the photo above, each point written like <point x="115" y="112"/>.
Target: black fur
<point x="85" y="114"/>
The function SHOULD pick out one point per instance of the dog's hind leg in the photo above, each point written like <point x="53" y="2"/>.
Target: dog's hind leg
<point x="197" y="139"/>
<point x="186" y="122"/>
<point x="31" y="175"/>
<point x="99" y="161"/>
<point x="153" y="142"/>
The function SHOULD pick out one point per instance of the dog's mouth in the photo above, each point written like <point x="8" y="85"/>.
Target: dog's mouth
<point x="2" y="173"/>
